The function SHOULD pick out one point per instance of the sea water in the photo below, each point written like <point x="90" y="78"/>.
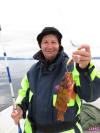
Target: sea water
<point x="18" y="69"/>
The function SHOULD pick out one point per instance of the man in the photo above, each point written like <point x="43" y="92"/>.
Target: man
<point x="41" y="84"/>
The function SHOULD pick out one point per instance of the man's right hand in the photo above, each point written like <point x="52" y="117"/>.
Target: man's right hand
<point x="16" y="114"/>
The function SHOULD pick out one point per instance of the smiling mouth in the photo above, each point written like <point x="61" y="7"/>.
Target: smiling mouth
<point x="49" y="51"/>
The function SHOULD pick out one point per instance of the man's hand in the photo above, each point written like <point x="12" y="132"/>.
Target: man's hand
<point x="82" y="56"/>
<point x="16" y="115"/>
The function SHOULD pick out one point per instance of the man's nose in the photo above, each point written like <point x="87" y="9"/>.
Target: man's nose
<point x="49" y="45"/>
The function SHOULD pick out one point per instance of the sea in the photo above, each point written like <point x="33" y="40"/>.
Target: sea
<point x="18" y="69"/>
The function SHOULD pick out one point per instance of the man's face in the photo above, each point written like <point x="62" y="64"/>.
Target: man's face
<point x="50" y="47"/>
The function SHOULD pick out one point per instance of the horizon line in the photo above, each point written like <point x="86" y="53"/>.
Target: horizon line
<point x="30" y="58"/>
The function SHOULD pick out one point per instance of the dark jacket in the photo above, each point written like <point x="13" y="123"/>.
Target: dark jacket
<point x="44" y="77"/>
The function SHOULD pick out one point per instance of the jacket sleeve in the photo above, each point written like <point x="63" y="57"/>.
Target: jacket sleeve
<point x="23" y="96"/>
<point x="88" y="86"/>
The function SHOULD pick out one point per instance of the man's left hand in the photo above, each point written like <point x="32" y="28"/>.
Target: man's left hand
<point x="82" y="56"/>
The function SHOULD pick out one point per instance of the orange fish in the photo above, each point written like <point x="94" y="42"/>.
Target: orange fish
<point x="65" y="93"/>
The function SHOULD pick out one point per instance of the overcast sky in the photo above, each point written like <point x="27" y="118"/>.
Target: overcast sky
<point x="22" y="20"/>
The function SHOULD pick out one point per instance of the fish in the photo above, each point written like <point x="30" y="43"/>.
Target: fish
<point x="65" y="93"/>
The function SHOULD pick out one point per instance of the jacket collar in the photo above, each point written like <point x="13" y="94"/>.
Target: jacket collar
<point x="50" y="65"/>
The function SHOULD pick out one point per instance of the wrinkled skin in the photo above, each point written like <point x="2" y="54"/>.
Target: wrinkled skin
<point x="50" y="47"/>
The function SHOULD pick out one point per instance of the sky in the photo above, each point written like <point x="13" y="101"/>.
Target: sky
<point x="22" y="20"/>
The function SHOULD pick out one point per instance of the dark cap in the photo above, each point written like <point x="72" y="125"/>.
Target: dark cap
<point x="47" y="31"/>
